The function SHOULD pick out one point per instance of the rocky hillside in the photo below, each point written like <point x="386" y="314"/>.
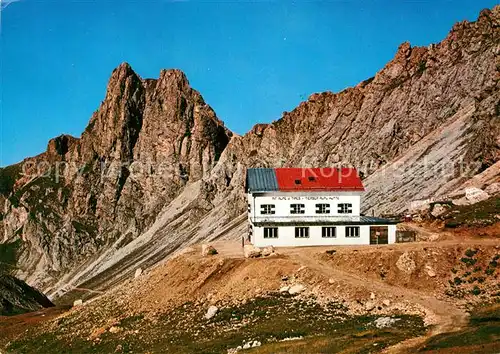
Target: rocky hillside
<point x="156" y="169"/>
<point x="18" y="297"/>
<point x="313" y="300"/>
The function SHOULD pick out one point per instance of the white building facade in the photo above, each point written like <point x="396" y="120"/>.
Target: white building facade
<point x="310" y="207"/>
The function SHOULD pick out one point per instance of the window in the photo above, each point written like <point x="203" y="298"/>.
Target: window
<point x="352" y="231"/>
<point x="270" y="232"/>
<point x="297" y="209"/>
<point x="301" y="232"/>
<point x="297" y="181"/>
<point x="249" y="208"/>
<point x="328" y="231"/>
<point x="322" y="208"/>
<point x="267" y="209"/>
<point x="311" y="179"/>
<point x="345" y="208"/>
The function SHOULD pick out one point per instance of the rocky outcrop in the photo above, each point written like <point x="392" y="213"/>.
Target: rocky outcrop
<point x="17" y="297"/>
<point x="156" y="169"/>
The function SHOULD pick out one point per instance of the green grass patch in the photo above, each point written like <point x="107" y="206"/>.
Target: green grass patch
<point x="476" y="291"/>
<point x="468" y="261"/>
<point x="470" y="253"/>
<point x="422" y="66"/>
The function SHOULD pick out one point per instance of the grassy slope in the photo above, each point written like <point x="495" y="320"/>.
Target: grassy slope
<point x="481" y="336"/>
<point x="480" y="214"/>
<point x="184" y="330"/>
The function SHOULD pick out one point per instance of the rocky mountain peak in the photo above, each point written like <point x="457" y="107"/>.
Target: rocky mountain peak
<point x="145" y="142"/>
<point x="121" y="77"/>
<point x="59" y="147"/>
<point x="403" y="52"/>
<point x="174" y="76"/>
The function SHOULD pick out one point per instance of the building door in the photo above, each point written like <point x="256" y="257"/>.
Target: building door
<point x="379" y="235"/>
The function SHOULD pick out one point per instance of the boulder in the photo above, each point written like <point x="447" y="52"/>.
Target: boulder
<point x="114" y="329"/>
<point x="370" y="305"/>
<point x="78" y="302"/>
<point x="296" y="289"/>
<point x="138" y="273"/>
<point x="430" y="272"/>
<point x="383" y="322"/>
<point x="211" y="312"/>
<point x="406" y="264"/>
<point x="208" y="250"/>
<point x="434" y="237"/>
<point x="267" y="251"/>
<point x="284" y="289"/>
<point x="386" y="303"/>
<point x="493" y="188"/>
<point x="251" y="251"/>
<point x="475" y="195"/>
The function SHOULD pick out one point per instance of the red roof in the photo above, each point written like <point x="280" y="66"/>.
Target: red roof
<point x="320" y="179"/>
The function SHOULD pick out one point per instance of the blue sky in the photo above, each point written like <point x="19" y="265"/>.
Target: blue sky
<point x="251" y="61"/>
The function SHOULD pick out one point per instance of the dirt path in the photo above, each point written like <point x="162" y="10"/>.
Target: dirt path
<point x="428" y="235"/>
<point x="87" y="290"/>
<point x="446" y="316"/>
<point x="449" y="318"/>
